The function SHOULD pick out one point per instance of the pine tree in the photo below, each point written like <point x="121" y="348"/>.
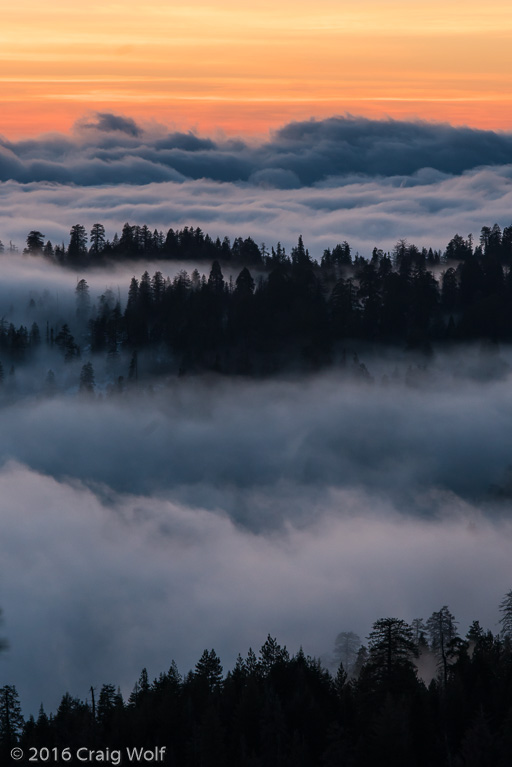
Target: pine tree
<point x="97" y="239"/>
<point x="77" y="249"/>
<point x="209" y="669"/>
<point x="506" y="615"/>
<point x="442" y="630"/>
<point x="346" y="645"/>
<point x="83" y="300"/>
<point x="35" y="243"/>
<point x="66" y="343"/>
<point x="391" y="652"/>
<point x="87" y="378"/>
<point x="11" y="719"/>
<point x="272" y="654"/>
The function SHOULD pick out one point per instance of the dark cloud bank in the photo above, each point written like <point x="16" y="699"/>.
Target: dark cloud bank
<point x="111" y="149"/>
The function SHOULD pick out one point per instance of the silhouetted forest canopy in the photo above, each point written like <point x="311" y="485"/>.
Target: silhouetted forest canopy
<point x="415" y="695"/>
<point x="276" y="311"/>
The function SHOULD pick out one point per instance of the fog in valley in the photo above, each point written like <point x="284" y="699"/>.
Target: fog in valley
<point x="181" y="513"/>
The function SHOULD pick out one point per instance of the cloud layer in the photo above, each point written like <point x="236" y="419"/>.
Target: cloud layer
<point x="102" y="589"/>
<point x="427" y="208"/>
<point x="112" y="149"/>
<point x="207" y="514"/>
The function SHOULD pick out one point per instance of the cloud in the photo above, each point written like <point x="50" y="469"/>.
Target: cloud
<point x="103" y="589"/>
<point x="427" y="208"/>
<point x="107" y="122"/>
<point x="303" y="153"/>
<point x="208" y="513"/>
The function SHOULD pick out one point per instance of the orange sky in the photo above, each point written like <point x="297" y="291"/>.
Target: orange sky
<point x="247" y="67"/>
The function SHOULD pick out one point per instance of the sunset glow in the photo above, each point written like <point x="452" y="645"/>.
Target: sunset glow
<point x="245" y="69"/>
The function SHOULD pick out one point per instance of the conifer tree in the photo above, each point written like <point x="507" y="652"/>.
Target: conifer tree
<point x="87" y="381"/>
<point x="506" y="615"/>
<point x="11" y="719"/>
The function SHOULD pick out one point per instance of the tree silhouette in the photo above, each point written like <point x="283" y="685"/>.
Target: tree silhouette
<point x="11" y="719"/>
<point x="35" y="243"/>
<point x="97" y="241"/>
<point x="87" y="381"/>
<point x="77" y="248"/>
<point x="441" y="627"/>
<point x="506" y="615"/>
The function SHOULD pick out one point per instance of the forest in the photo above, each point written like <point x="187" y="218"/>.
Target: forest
<point x="276" y="312"/>
<point x="415" y="695"/>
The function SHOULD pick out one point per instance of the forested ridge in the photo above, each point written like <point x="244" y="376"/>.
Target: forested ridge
<point x="415" y="694"/>
<point x="275" y="311"/>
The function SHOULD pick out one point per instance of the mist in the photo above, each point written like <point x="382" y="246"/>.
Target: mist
<point x="427" y="208"/>
<point x="208" y="512"/>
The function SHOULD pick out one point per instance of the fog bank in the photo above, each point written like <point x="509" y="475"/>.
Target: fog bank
<point x="207" y="513"/>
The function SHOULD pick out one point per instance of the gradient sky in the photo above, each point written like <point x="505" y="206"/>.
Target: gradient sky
<point x="247" y="67"/>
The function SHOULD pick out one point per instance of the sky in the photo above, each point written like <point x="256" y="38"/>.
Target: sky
<point x="246" y="67"/>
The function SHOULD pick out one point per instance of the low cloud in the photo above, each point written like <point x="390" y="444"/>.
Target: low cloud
<point x="98" y="590"/>
<point x="108" y="148"/>
<point x="209" y="513"/>
<point x="427" y="209"/>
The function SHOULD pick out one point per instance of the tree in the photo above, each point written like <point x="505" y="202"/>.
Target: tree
<point x="77" y="249"/>
<point x="216" y="278"/>
<point x="83" y="300"/>
<point x="35" y="243"/>
<point x="133" y="371"/>
<point x="346" y="645"/>
<point x="97" y="240"/>
<point x="109" y="701"/>
<point x="87" y="378"/>
<point x="209" y="670"/>
<point x="391" y="651"/>
<point x="506" y="615"/>
<point x="272" y="654"/>
<point x="11" y="719"/>
<point x="48" y="251"/>
<point x="35" y="335"/>
<point x="244" y="283"/>
<point x="66" y="343"/>
<point x="441" y="627"/>
<point x="140" y="690"/>
<point x="419" y="632"/>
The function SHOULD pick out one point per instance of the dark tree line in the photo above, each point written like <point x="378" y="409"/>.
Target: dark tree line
<point x="280" y="709"/>
<point x="140" y="243"/>
<point x="289" y="313"/>
<point x="301" y="313"/>
<point x="192" y="244"/>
